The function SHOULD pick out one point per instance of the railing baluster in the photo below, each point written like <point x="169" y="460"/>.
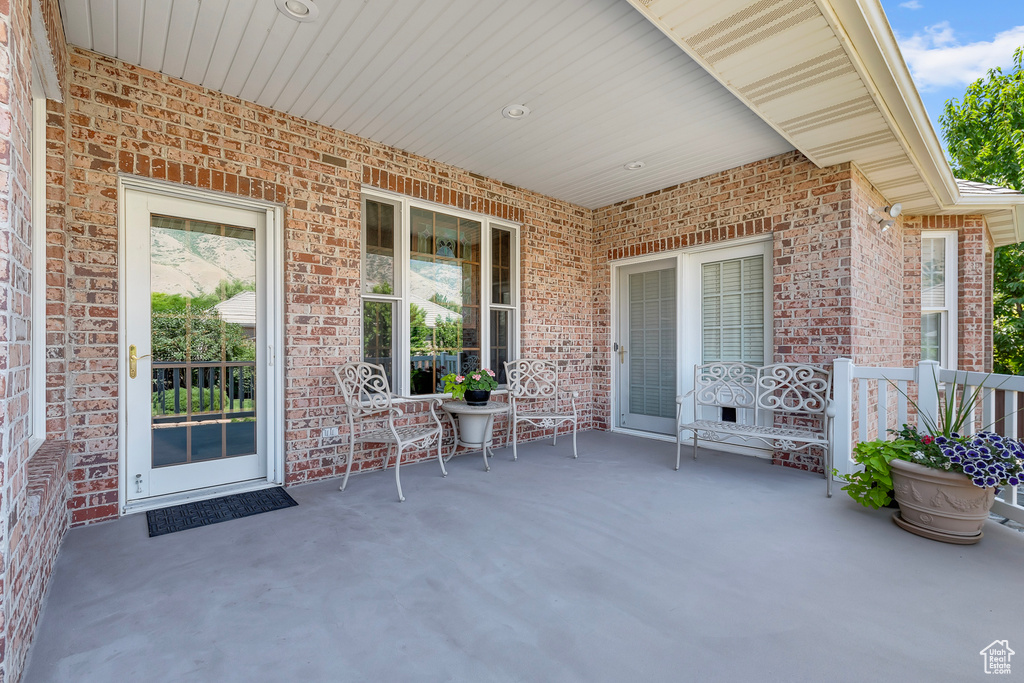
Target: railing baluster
<point x="988" y="409"/>
<point x="1009" y="413"/>
<point x="883" y="408"/>
<point x="862" y="409"/>
<point x="176" y="378"/>
<point x="973" y="415"/>
<point x="901" y="403"/>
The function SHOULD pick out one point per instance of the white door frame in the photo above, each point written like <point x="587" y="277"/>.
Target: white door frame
<point x="687" y="308"/>
<point x="274" y="314"/>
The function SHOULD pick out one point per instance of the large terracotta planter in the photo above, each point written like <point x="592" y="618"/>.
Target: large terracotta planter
<point x="944" y="506"/>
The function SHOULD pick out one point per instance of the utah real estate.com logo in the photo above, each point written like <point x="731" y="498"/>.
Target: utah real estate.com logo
<point x="997" y="657"/>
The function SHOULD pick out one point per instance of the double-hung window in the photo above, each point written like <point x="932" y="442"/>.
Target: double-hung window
<point x="439" y="291"/>
<point x="939" y="280"/>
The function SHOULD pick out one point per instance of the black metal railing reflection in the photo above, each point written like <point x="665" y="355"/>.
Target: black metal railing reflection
<point x="186" y="389"/>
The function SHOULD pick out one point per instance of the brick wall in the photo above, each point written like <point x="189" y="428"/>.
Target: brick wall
<point x="130" y="120"/>
<point x="877" y="281"/>
<point x="805" y="209"/>
<point x="21" y="583"/>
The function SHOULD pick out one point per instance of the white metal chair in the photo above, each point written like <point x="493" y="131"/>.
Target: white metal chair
<point x="536" y="382"/>
<point x="368" y="399"/>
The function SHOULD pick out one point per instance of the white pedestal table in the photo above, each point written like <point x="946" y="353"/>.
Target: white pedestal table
<point x="475" y="426"/>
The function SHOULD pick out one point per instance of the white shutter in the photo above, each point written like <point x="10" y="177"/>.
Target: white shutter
<point x="732" y="310"/>
<point x="933" y="272"/>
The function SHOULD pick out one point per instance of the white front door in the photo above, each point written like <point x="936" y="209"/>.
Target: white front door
<point x="645" y="352"/>
<point x="196" y="345"/>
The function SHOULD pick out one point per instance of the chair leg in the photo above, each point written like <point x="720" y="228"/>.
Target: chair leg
<point x="440" y="458"/>
<point x="694" y="445"/>
<point x="398" y="478"/>
<point x="679" y="447"/>
<point x="515" y="441"/>
<point x="574" y="453"/>
<point x="828" y="471"/>
<point x="348" y="465"/>
<point x="554" y="441"/>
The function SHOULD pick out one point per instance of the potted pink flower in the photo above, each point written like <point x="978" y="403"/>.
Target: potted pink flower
<point x="475" y="386"/>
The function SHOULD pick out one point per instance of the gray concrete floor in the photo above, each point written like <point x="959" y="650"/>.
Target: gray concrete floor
<point x="612" y="567"/>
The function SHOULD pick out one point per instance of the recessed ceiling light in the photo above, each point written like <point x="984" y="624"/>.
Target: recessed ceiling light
<point x="515" y="111"/>
<point x="634" y="165"/>
<point x="299" y="10"/>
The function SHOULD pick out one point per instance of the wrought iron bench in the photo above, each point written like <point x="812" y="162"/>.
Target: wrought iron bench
<point x="758" y="395"/>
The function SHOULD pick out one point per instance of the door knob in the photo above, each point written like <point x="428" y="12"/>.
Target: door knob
<point x="133" y="360"/>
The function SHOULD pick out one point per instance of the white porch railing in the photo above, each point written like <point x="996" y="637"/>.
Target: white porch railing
<point x="870" y="401"/>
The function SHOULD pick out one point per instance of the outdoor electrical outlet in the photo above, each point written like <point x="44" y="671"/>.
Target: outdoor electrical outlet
<point x="329" y="432"/>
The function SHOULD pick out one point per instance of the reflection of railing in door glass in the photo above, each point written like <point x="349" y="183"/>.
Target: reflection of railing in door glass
<point x="203" y="326"/>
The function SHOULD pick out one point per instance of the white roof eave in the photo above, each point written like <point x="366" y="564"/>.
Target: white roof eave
<point x="869" y="39"/>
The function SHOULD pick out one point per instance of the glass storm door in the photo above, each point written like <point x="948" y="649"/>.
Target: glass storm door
<point x="194" y="344"/>
<point x="645" y="352"/>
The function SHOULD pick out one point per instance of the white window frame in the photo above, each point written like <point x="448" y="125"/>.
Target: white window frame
<point x="400" y="345"/>
<point x="37" y="322"/>
<point x="949" y="348"/>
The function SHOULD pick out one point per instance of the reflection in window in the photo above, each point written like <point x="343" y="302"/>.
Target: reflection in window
<point x="453" y="324"/>
<point x="203" y="339"/>
<point x="444" y="292"/>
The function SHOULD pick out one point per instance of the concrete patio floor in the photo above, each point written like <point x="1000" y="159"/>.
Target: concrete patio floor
<point x="612" y="567"/>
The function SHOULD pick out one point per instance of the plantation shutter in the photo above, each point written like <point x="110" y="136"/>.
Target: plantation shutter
<point x="652" y="343"/>
<point x="732" y="310"/>
<point x="933" y="272"/>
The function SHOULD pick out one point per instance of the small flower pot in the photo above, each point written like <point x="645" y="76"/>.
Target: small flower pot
<point x="943" y="506"/>
<point x="476" y="397"/>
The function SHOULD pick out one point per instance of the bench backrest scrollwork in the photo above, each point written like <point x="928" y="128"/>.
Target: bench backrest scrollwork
<point x="789" y="388"/>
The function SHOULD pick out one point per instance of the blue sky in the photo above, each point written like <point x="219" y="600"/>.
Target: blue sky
<point x="948" y="44"/>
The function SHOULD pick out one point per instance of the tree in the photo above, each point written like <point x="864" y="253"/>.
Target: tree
<point x="189" y="327"/>
<point x="985" y="138"/>
<point x="448" y="335"/>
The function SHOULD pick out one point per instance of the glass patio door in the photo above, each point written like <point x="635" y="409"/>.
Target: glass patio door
<point x="195" y="345"/>
<point x="645" y="353"/>
<point x="728" y="292"/>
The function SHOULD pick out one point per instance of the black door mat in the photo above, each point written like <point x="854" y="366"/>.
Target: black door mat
<point x="205" y="512"/>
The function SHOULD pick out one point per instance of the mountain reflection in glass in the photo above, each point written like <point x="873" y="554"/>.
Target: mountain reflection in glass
<point x="445" y="302"/>
<point x="203" y="332"/>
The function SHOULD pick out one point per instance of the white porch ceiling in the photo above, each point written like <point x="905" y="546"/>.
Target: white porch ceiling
<point x="605" y="86"/>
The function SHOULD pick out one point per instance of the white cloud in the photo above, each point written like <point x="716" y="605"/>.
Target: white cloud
<point x="911" y="4"/>
<point x="936" y="59"/>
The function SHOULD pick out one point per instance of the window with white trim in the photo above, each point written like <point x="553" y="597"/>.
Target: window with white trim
<point x="439" y="290"/>
<point x="37" y="329"/>
<point x="939" y="280"/>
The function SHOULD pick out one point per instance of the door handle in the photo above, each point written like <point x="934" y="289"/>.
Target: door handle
<point x="622" y="354"/>
<point x="133" y="360"/>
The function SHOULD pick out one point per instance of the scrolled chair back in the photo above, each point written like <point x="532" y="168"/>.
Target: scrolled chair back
<point x="794" y="388"/>
<point x="532" y="378"/>
<point x="364" y="388"/>
<point x="732" y="384"/>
